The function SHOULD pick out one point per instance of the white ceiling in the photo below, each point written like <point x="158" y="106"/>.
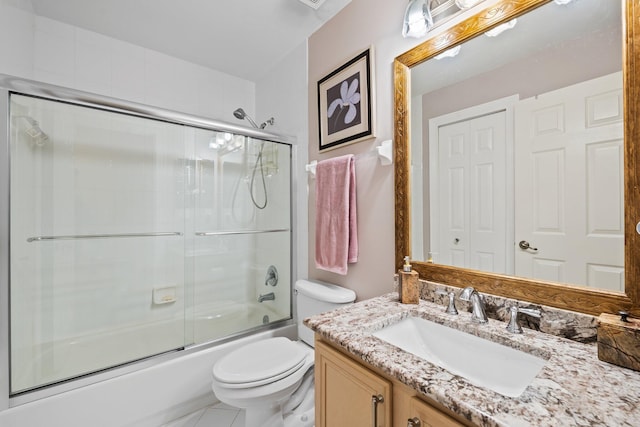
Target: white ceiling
<point x="244" y="38"/>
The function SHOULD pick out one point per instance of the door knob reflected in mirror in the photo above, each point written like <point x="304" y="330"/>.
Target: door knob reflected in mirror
<point x="524" y="245"/>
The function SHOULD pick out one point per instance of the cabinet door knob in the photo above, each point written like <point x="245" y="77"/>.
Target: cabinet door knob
<point x="413" y="422"/>
<point x="374" y="408"/>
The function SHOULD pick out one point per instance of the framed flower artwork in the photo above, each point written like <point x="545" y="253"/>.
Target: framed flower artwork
<point x="345" y="103"/>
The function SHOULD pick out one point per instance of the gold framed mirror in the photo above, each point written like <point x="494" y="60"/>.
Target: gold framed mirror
<point x="565" y="296"/>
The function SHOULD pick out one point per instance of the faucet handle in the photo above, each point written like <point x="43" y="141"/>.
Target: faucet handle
<point x="451" y="308"/>
<point x="513" y="325"/>
<point x="530" y="312"/>
<point x="624" y="316"/>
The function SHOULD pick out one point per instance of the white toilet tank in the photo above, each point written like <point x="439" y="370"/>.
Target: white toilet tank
<point x="315" y="297"/>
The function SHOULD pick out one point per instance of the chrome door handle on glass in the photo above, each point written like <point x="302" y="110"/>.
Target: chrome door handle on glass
<point x="374" y="408"/>
<point x="524" y="245"/>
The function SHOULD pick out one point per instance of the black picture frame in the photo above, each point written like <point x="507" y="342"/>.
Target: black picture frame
<point x="345" y="103"/>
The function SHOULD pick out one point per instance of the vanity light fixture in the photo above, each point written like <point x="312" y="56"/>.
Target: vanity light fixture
<point x="495" y="32"/>
<point x="225" y="142"/>
<point x="220" y="140"/>
<point x="417" y="19"/>
<point x="466" y="4"/>
<point x="449" y="53"/>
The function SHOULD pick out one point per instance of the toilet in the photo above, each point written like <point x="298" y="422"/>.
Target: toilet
<point x="272" y="379"/>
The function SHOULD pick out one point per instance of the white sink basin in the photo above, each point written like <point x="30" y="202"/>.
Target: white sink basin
<point x="481" y="362"/>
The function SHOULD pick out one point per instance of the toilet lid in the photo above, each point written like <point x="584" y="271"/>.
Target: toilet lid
<point x="259" y="363"/>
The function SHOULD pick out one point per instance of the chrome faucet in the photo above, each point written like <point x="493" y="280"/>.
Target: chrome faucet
<point x="267" y="297"/>
<point x="477" y="303"/>
<point x="513" y="325"/>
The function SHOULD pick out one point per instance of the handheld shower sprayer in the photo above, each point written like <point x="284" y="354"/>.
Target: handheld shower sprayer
<point x="240" y="114"/>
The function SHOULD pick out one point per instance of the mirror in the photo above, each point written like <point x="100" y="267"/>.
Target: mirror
<point x="536" y="139"/>
<point x="419" y="224"/>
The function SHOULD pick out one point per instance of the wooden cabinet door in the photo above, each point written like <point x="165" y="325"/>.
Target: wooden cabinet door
<point x="345" y="392"/>
<point x="428" y="416"/>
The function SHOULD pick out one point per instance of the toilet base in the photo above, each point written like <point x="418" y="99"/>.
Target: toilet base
<point x="298" y="410"/>
<point x="271" y="416"/>
<point x="304" y="414"/>
<point x="306" y="419"/>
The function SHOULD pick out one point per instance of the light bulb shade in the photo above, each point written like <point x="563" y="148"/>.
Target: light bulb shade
<point x="466" y="4"/>
<point x="417" y="19"/>
<point x="495" y="32"/>
<point x="450" y="53"/>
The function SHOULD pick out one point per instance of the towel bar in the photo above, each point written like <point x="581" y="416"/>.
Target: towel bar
<point x="102" y="236"/>
<point x="383" y="151"/>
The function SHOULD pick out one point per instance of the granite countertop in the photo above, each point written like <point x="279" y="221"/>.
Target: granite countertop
<point x="574" y="388"/>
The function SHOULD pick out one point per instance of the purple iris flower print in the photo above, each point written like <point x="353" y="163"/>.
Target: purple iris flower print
<point x="345" y="106"/>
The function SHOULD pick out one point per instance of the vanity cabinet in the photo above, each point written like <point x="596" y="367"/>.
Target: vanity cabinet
<point x="350" y="394"/>
<point x="421" y="414"/>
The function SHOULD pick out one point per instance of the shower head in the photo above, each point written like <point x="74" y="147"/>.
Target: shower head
<point x="269" y="122"/>
<point x="241" y="115"/>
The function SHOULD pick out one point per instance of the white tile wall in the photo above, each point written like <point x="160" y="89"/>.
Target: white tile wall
<point x="93" y="61"/>
<point x="127" y="71"/>
<point x="39" y="48"/>
<point x="281" y="93"/>
<point x="54" y="52"/>
<point x="16" y="40"/>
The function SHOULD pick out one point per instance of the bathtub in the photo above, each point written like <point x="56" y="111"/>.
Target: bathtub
<point x="168" y="388"/>
<point x="215" y="322"/>
<point x="69" y="358"/>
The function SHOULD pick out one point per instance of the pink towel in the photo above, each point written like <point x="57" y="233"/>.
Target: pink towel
<point x="336" y="224"/>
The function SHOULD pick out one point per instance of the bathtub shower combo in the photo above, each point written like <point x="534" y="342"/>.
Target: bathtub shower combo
<point x="135" y="232"/>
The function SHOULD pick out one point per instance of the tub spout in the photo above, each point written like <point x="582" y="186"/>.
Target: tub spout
<point x="267" y="297"/>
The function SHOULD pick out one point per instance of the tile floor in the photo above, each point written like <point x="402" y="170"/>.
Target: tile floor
<point x="218" y="415"/>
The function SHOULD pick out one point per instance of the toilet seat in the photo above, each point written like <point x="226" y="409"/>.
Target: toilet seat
<point x="259" y="363"/>
<point x="273" y="379"/>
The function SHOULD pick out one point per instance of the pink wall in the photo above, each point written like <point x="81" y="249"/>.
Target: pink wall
<point x="361" y="24"/>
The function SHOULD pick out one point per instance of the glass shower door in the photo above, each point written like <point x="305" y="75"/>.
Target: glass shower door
<point x="97" y="240"/>
<point x="132" y="237"/>
<point x="242" y="226"/>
